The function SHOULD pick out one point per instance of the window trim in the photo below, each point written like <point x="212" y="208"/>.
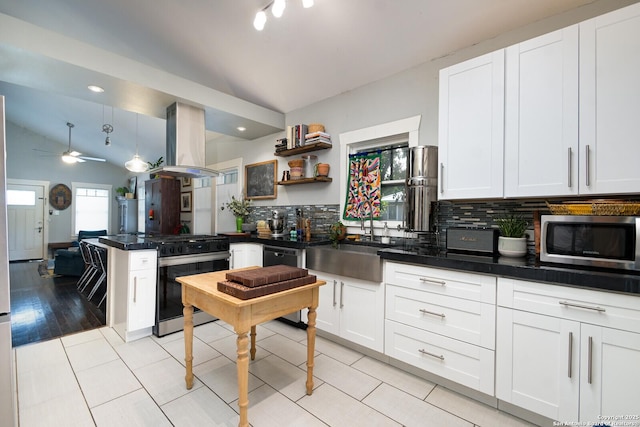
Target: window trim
<point x="369" y="138"/>
<point x="74" y="186"/>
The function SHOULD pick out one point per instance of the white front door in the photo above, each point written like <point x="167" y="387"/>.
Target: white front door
<point x="25" y="217"/>
<point x="228" y="184"/>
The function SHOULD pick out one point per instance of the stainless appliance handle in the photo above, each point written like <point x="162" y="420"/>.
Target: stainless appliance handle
<point x="341" y="294"/>
<point x="437" y="356"/>
<point x="569" y="168"/>
<point x="570" y="352"/>
<point x="441" y="178"/>
<point x="231" y="258"/>
<point x="587" y="156"/>
<point x="190" y="259"/>
<point x="423" y="311"/>
<point x="586" y="307"/>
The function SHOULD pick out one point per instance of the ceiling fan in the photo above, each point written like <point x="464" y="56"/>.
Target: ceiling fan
<point x="72" y="156"/>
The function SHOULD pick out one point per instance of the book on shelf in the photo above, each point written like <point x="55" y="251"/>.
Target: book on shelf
<point x="317" y="134"/>
<point x="318" y="139"/>
<point x="300" y="131"/>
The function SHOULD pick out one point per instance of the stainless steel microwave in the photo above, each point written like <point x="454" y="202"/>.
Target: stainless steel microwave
<point x="595" y="241"/>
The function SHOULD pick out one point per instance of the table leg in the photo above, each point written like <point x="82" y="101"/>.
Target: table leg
<point x="253" y="342"/>
<point x="243" y="377"/>
<point x="311" y="347"/>
<point x="188" y="344"/>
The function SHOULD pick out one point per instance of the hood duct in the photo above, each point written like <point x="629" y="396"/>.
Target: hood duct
<point x="185" y="156"/>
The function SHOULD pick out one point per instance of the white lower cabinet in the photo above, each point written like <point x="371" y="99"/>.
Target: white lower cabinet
<point x="568" y="366"/>
<point x="352" y="309"/>
<point x="134" y="293"/>
<point x="443" y="322"/>
<point x="245" y="255"/>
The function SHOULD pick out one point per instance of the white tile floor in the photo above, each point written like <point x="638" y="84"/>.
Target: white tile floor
<point x="94" y="378"/>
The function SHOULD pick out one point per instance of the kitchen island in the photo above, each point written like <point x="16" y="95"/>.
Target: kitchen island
<point x="201" y="290"/>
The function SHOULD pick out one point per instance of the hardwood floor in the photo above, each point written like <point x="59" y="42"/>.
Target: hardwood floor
<point x="43" y="308"/>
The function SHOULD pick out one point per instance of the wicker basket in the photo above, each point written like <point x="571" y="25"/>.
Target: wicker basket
<point x="600" y="208"/>
<point x="297" y="163"/>
<point x="316" y="127"/>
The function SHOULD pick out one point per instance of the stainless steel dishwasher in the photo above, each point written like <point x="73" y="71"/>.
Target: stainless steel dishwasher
<point x="272" y="255"/>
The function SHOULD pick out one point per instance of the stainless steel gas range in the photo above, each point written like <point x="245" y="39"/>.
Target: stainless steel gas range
<point x="183" y="255"/>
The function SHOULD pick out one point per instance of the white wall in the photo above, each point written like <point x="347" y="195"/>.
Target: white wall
<point x="409" y="93"/>
<point x="25" y="163"/>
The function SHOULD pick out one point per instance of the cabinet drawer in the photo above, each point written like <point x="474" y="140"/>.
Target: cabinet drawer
<point x="583" y="305"/>
<point x="142" y="260"/>
<point x="475" y="287"/>
<point x="455" y="360"/>
<point x="465" y="320"/>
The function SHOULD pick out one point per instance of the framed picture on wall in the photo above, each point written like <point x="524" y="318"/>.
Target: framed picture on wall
<point x="185" y="201"/>
<point x="186" y="182"/>
<point x="260" y="180"/>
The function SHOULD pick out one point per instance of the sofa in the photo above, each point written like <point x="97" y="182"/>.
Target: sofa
<point x="69" y="262"/>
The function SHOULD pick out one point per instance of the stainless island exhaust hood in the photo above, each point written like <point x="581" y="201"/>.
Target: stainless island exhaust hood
<point x="185" y="155"/>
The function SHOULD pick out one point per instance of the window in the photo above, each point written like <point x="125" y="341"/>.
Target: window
<point x="392" y="140"/>
<point x="393" y="170"/>
<point x="21" y="198"/>
<point x="91" y="207"/>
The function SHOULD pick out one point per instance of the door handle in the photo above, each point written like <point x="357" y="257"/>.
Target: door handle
<point x="335" y="282"/>
<point x="570" y="352"/>
<point x="39" y="229"/>
<point x="341" y="294"/>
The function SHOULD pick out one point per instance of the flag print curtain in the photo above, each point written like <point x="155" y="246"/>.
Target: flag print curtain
<point x="363" y="185"/>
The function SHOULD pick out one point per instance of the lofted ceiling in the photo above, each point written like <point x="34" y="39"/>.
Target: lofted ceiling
<point x="150" y="53"/>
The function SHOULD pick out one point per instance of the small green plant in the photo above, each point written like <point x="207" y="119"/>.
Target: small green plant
<point x="337" y="232"/>
<point x="239" y="207"/>
<point x="157" y="163"/>
<point x="512" y="225"/>
<point x="122" y="190"/>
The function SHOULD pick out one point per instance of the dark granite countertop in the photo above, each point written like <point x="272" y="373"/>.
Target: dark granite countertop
<point x="284" y="241"/>
<point x="527" y="268"/>
<point x="128" y="242"/>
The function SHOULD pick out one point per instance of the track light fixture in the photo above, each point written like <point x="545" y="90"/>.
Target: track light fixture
<point x="277" y="9"/>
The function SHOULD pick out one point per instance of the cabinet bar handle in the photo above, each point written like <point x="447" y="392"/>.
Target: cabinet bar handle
<point x="233" y="258"/>
<point x="587" y="156"/>
<point x="423" y="311"/>
<point x="589" y="359"/>
<point x="437" y="356"/>
<point x="335" y="282"/>
<point x="586" y="307"/>
<point x="569" y="167"/>
<point x="441" y="177"/>
<point x="135" y="289"/>
<point x="570" y="352"/>
<point x="435" y="282"/>
<point x="341" y="294"/>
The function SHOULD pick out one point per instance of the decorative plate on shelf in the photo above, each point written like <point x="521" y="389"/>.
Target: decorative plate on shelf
<point x="60" y="197"/>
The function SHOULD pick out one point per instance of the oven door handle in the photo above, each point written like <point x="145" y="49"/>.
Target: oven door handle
<point x="191" y="259"/>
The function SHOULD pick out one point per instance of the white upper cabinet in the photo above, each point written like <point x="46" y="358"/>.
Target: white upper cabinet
<point x="471" y="128"/>
<point x="541" y="116"/>
<point x="610" y="102"/>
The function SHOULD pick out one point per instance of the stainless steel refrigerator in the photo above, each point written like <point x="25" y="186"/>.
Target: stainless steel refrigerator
<point x="7" y="380"/>
<point x="127" y="216"/>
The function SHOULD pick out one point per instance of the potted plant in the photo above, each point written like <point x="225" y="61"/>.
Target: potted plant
<point x="122" y="191"/>
<point x="156" y="164"/>
<point x="337" y="232"/>
<point x="239" y="207"/>
<point x="512" y="241"/>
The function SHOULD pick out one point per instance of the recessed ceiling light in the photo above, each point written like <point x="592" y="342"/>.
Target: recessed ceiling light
<point x="96" y="89"/>
<point x="241" y="128"/>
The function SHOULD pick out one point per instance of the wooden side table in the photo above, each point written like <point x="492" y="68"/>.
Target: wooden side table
<point x="201" y="290"/>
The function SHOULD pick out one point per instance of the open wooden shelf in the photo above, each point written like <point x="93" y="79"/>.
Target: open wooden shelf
<point x="304" y="149"/>
<point x="306" y="180"/>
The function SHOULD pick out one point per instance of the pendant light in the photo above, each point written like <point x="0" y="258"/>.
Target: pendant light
<point x="136" y="164"/>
